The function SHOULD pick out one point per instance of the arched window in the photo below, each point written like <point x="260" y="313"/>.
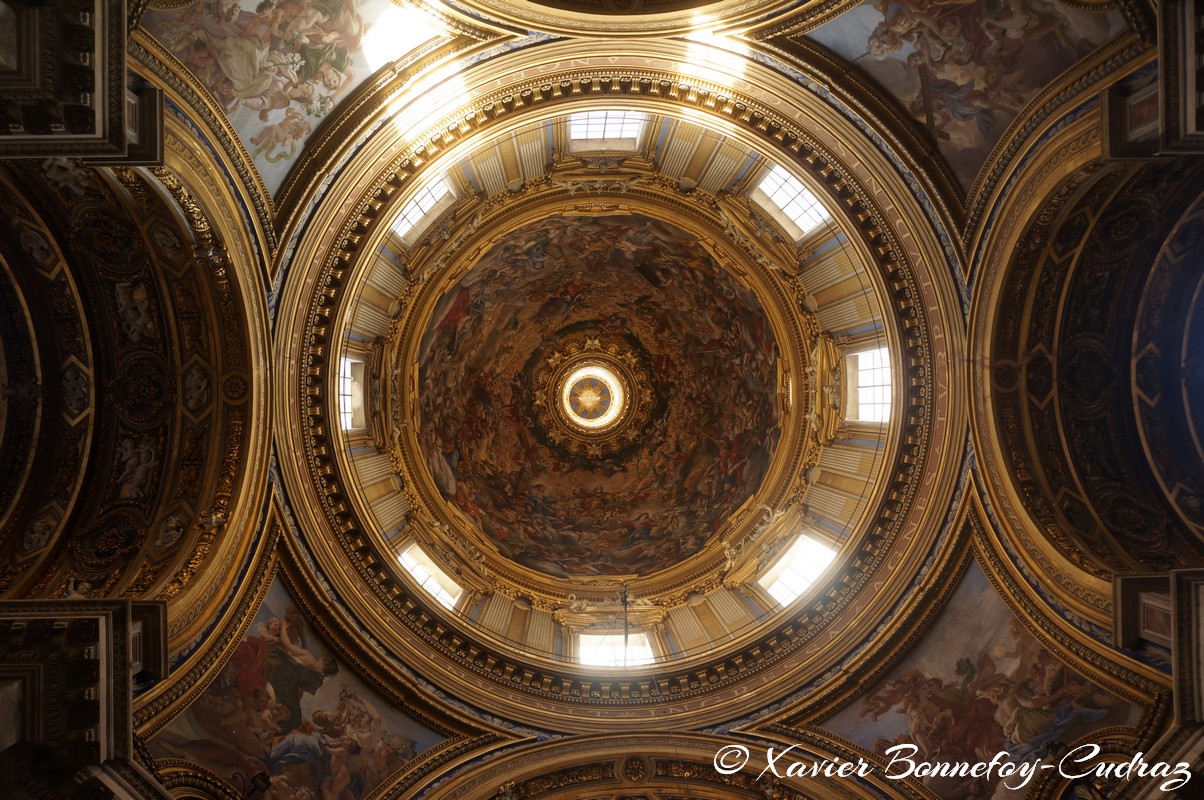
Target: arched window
<point x="429" y="576"/>
<point x="867" y="378"/>
<point x="352" y="376"/>
<point x="797" y="569"/>
<point x="423" y="208"/>
<point x="606" y="131"/>
<point x="606" y="649"/>
<point x="790" y="203"/>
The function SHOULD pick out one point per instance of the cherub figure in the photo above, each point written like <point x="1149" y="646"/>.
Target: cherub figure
<point x="279" y="141"/>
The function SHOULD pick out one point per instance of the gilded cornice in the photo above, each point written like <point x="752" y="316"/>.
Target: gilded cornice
<point x="639" y="20"/>
<point x="1103" y="220"/>
<point x="885" y="647"/>
<point x="468" y="737"/>
<point x="1075" y="578"/>
<point x="1142" y="16"/>
<point x="922" y="311"/>
<point x="1032" y="178"/>
<point x="660" y="764"/>
<point x="210" y="130"/>
<point x="808" y="18"/>
<point x="463" y="21"/>
<point x="526" y="82"/>
<point x="964" y="208"/>
<point x="1137" y="683"/>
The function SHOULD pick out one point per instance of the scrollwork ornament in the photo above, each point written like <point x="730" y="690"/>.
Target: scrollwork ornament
<point x="635" y="770"/>
<point x="196" y="216"/>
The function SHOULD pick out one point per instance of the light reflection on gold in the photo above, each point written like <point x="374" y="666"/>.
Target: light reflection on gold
<point x="592" y="396"/>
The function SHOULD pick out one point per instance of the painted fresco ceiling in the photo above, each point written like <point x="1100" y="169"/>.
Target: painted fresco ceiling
<point x="701" y="452"/>
<point x="966" y="68"/>
<point x="977" y="684"/>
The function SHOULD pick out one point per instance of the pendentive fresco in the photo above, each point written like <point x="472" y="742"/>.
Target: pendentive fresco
<point x="966" y="68"/>
<point x="978" y="684"/>
<point x="286" y="706"/>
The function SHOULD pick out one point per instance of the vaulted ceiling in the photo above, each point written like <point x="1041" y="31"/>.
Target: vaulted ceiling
<point x="369" y="309"/>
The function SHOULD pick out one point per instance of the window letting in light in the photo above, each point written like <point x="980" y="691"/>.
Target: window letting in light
<point x="712" y="57"/>
<point x="428" y="575"/>
<point x="868" y="380"/>
<point x="606" y="649"/>
<point x="352" y="416"/>
<point x="606" y="130"/>
<point x="433" y="197"/>
<point x="783" y="193"/>
<point x="798" y="568"/>
<point x="395" y="31"/>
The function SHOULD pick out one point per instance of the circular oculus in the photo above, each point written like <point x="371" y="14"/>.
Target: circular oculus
<point x="592" y="397"/>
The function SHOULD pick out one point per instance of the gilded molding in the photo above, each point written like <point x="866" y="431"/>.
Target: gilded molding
<point x="667" y="765"/>
<point x="164" y="67"/>
<point x="630" y="18"/>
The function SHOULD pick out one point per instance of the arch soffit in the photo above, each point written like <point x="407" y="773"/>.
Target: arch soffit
<point x="1045" y="183"/>
<point x="194" y="185"/>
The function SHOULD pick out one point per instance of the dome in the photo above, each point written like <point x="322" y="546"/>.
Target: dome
<point x="611" y="385"/>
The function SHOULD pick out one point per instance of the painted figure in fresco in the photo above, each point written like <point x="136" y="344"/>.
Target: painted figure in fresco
<point x="290" y="56"/>
<point x="1019" y="710"/>
<point x="285" y="135"/>
<point x="354" y="741"/>
<point x="271" y="710"/>
<point x="293" y="671"/>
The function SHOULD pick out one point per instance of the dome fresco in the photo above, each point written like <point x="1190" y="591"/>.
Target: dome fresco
<point x="698" y="452"/>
